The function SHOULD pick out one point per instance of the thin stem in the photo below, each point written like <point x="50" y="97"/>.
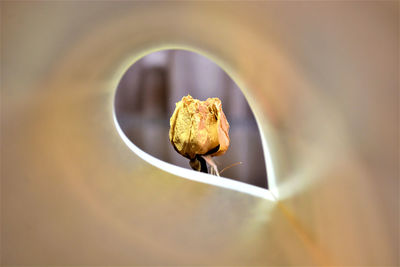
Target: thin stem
<point x="230" y="166"/>
<point x="202" y="163"/>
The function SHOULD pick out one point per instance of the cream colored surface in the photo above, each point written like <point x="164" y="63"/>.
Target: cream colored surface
<point x="321" y="77"/>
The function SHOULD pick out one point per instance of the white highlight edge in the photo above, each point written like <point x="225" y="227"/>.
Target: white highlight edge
<point x="193" y="175"/>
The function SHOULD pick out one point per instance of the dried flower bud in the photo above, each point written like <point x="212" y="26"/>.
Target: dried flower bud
<point x="199" y="128"/>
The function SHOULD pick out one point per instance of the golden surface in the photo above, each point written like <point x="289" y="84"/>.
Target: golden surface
<point x="197" y="127"/>
<point x="321" y="77"/>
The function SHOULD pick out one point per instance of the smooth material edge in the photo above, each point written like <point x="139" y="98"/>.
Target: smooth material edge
<point x="193" y="175"/>
<point x="186" y="173"/>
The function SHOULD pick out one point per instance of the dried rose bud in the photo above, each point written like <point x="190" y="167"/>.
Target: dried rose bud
<point x="199" y="128"/>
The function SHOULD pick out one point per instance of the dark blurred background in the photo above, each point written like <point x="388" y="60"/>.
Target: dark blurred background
<point x="145" y="101"/>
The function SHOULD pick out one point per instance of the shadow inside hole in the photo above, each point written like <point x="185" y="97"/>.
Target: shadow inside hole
<point x="146" y="97"/>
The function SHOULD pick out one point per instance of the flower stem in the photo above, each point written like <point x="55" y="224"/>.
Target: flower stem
<point x="202" y="163"/>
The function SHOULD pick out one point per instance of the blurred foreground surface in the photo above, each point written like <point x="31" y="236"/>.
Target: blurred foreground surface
<point x="321" y="77"/>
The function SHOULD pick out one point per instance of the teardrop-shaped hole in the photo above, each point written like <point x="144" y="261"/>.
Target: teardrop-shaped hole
<point x="146" y="97"/>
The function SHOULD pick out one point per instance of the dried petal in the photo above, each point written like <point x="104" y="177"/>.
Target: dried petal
<point x="199" y="128"/>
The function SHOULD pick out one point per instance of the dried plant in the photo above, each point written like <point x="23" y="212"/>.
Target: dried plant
<point x="199" y="131"/>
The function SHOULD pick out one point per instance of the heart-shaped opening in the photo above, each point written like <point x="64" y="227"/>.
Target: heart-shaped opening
<point x="145" y="100"/>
